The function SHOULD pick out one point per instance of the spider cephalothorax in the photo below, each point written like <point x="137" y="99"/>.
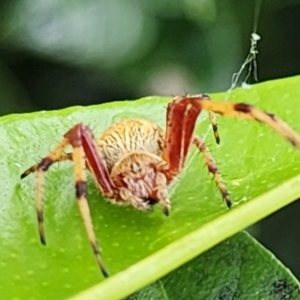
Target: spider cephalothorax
<point x="141" y="180"/>
<point x="134" y="161"/>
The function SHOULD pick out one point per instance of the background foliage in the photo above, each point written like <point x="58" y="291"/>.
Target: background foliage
<point x="226" y="272"/>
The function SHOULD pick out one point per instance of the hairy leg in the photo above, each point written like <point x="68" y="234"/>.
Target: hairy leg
<point x="85" y="154"/>
<point x="32" y="169"/>
<point x="213" y="169"/>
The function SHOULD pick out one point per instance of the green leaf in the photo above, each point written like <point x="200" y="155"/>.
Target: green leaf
<point x="252" y="158"/>
<point x="239" y="268"/>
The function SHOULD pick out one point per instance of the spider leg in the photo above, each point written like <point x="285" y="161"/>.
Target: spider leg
<point x="40" y="168"/>
<point x="85" y="155"/>
<point x="243" y="111"/>
<point x="181" y="119"/>
<point x="80" y="185"/>
<point x="213" y="121"/>
<point x="32" y="169"/>
<point x="213" y="169"/>
<point x="182" y="114"/>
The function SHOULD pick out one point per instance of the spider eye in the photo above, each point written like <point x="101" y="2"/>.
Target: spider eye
<point x="135" y="167"/>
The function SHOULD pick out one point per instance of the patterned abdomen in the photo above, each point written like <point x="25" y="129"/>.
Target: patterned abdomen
<point x="130" y="135"/>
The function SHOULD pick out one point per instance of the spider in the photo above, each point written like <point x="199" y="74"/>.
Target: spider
<point x="134" y="160"/>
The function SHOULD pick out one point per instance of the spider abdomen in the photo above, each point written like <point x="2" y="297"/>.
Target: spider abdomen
<point x="130" y="135"/>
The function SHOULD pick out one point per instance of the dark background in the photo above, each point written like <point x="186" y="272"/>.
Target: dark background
<point x="55" y="54"/>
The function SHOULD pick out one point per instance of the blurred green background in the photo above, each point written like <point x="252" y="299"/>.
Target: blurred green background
<point x="55" y="54"/>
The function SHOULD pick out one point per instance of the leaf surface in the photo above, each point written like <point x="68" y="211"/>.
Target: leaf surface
<point x="239" y="268"/>
<point x="251" y="157"/>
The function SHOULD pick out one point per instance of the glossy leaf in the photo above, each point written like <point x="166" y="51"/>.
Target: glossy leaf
<point x="239" y="268"/>
<point x="252" y="158"/>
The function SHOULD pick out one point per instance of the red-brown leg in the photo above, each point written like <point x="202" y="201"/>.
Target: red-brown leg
<point x="181" y="119"/>
<point x="81" y="135"/>
<point x="182" y="114"/>
<point x="244" y="111"/>
<point x="85" y="151"/>
<point x="213" y="169"/>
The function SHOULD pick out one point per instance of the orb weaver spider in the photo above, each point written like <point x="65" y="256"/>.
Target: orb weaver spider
<point x="134" y="161"/>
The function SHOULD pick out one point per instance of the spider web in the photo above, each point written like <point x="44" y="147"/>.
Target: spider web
<point x="249" y="66"/>
<point x="247" y="70"/>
